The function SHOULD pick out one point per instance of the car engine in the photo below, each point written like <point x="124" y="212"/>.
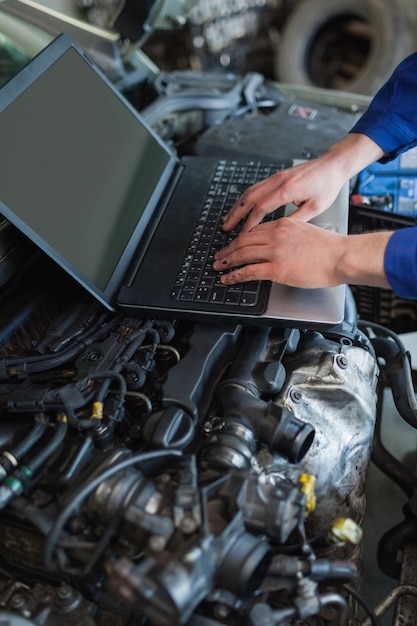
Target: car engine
<point x="157" y="472"/>
<point x="161" y="472"/>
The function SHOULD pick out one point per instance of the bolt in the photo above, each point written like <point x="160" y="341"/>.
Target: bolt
<point x="156" y="543"/>
<point x="18" y="602"/>
<point x="64" y="592"/>
<point x="66" y="597"/>
<point x="342" y="361"/>
<point x="188" y="525"/>
<point x="295" y="395"/>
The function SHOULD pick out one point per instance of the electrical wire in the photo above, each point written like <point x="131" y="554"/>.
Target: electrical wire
<point x="41" y="363"/>
<point x="404" y="396"/>
<point x="23" y="447"/>
<point x="85" y="490"/>
<point x="386" y="332"/>
<point x="362" y="602"/>
<point x="41" y="457"/>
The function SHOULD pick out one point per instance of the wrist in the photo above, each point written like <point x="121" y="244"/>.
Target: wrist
<point x="353" y="153"/>
<point x="360" y="259"/>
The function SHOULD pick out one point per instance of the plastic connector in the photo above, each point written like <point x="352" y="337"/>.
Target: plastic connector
<point x="345" y="530"/>
<point x="308" y="483"/>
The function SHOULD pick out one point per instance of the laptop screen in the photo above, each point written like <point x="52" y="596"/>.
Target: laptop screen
<point x="77" y="167"/>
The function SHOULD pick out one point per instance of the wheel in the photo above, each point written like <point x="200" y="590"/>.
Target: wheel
<point x="352" y="45"/>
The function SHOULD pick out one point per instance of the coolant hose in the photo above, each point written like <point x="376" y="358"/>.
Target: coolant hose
<point x="398" y="373"/>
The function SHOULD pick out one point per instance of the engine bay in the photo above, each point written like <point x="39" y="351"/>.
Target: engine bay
<point x="162" y="472"/>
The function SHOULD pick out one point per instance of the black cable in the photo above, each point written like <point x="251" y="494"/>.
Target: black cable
<point x="387" y="462"/>
<point x="23" y="474"/>
<point x="41" y="363"/>
<point x="101" y="545"/>
<point x="23" y="447"/>
<point x="386" y="332"/>
<point x="106" y="374"/>
<point x="398" y="371"/>
<point x="127" y="350"/>
<point x="85" y="490"/>
<point x="122" y="395"/>
<point x="362" y="602"/>
<point x="39" y="460"/>
<point x="71" y="323"/>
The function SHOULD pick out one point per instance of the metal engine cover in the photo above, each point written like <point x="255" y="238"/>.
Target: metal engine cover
<point x="332" y="385"/>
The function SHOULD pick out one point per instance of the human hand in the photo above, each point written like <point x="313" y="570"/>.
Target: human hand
<point x="286" y="251"/>
<point x="310" y="186"/>
<point x="301" y="254"/>
<point x="291" y="250"/>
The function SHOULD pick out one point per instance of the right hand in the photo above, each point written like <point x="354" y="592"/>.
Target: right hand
<point x="311" y="186"/>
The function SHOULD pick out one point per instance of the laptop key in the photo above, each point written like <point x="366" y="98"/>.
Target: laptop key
<point x="251" y="286"/>
<point x="233" y="297"/>
<point x="249" y="298"/>
<point x="203" y="294"/>
<point x="187" y="295"/>
<point x="218" y="294"/>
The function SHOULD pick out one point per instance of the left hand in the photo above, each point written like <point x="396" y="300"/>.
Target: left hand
<point x="286" y="251"/>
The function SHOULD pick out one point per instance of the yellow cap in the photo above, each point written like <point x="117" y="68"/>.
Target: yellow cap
<point x="345" y="530"/>
<point x="97" y="413"/>
<point x="308" y="482"/>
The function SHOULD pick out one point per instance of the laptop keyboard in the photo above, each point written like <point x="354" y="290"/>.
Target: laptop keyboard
<point x="196" y="280"/>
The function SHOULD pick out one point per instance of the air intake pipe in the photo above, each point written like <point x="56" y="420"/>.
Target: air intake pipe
<point x="247" y="413"/>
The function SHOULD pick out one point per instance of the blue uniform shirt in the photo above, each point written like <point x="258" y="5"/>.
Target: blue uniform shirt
<point x="391" y="121"/>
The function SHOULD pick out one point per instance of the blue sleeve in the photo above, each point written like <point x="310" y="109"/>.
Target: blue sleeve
<point x="400" y="262"/>
<point x="391" y="119"/>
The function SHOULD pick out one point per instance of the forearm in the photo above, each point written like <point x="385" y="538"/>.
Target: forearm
<point x="359" y="259"/>
<point x="351" y="154"/>
<point x="300" y="254"/>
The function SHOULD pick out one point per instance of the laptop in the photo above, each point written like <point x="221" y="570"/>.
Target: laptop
<point x="89" y="182"/>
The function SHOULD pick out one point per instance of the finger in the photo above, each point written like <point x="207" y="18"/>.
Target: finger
<point x="236" y="214"/>
<point x="255" y="217"/>
<point x="249" y="203"/>
<point x="306" y="211"/>
<point x="273" y="197"/>
<point x="255" y="237"/>
<point x="285" y="187"/>
<point x="247" y="273"/>
<point x="268" y="225"/>
<point x="253" y="252"/>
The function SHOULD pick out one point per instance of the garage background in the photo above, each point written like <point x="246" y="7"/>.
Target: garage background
<point x="349" y="45"/>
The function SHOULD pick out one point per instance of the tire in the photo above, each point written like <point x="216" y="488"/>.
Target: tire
<point x="353" y="45"/>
